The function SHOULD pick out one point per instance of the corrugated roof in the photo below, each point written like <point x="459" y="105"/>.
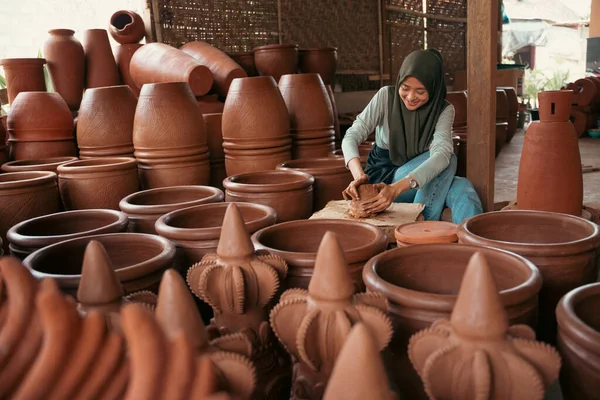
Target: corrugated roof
<point x="546" y="10"/>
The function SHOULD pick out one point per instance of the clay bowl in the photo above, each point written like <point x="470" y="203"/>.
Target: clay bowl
<point x="145" y="207"/>
<point x="33" y="234"/>
<point x="297" y="243"/>
<point x="138" y="259"/>
<point x="579" y="342"/>
<point x="562" y="246"/>
<point x="44" y="164"/>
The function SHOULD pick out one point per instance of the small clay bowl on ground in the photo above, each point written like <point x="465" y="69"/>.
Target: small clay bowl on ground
<point x="424" y="232"/>
<point x="297" y="243"/>
<point x="44" y="164"/>
<point x="145" y="207"/>
<point x="33" y="234"/>
<point x="138" y="259"/>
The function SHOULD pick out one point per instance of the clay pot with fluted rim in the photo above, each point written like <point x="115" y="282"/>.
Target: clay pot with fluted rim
<point x="138" y="259"/>
<point x="276" y="60"/>
<point x="97" y="182"/>
<point x="212" y="125"/>
<point x="322" y="61"/>
<point x="246" y="61"/>
<point x="425" y="232"/>
<point x="290" y="193"/>
<point x="36" y="233"/>
<point x="123" y="54"/>
<point x="145" y="207"/>
<point x="101" y="68"/>
<point x="126" y="27"/>
<point x="23" y="75"/>
<point x="43" y="164"/>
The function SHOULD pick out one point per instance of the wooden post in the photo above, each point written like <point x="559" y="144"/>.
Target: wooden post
<point x="482" y="47"/>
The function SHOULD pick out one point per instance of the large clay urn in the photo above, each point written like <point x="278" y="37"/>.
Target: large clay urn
<point x="246" y="61"/>
<point x="105" y="122"/>
<point x="297" y="243"/>
<point x="101" y="68"/>
<point x="36" y="233"/>
<point x="25" y="195"/>
<point x="222" y="67"/>
<point x="159" y="62"/>
<point x="276" y="60"/>
<point x="40" y="125"/>
<point x="322" y="61"/>
<point x="421" y="284"/>
<point x="579" y="342"/>
<point x="563" y="247"/>
<point x="138" y="259"/>
<point x="331" y="177"/>
<point x="145" y="207"/>
<point x="43" y="164"/>
<point x="123" y="54"/>
<point x="550" y="177"/>
<point x="290" y="193"/>
<point x="23" y="75"/>
<point x="97" y="183"/>
<point x="66" y="65"/>
<point x="126" y="27"/>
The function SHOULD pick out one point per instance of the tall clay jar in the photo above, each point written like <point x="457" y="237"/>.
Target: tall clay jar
<point x="101" y="68"/>
<point x="123" y="55"/>
<point x="97" y="183"/>
<point x="23" y="75"/>
<point x="66" y="65"/>
<point x="276" y="60"/>
<point x="322" y="61"/>
<point x="126" y="27"/>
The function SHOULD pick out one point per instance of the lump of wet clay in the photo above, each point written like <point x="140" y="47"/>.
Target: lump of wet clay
<point x="365" y="192"/>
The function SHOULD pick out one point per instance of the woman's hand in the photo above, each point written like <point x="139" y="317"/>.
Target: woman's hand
<point x="351" y="192"/>
<point x="387" y="194"/>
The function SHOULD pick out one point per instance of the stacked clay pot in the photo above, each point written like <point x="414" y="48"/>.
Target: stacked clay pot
<point x="290" y="193"/>
<point x="212" y="125"/>
<point x="311" y="115"/>
<point x="40" y="125"/>
<point x="105" y="122"/>
<point x="502" y="117"/>
<point x="23" y="75"/>
<point x="276" y="60"/>
<point x="66" y="65"/>
<point x="169" y="137"/>
<point x="513" y="111"/>
<point x="43" y="164"/>
<point x="145" y="207"/>
<point x="97" y="183"/>
<point x="322" y="61"/>
<point x="550" y="177"/>
<point x="331" y="177"/>
<point x="246" y="61"/>
<point x="101" y="68"/>
<point x="256" y="126"/>
<point x="425" y="232"/>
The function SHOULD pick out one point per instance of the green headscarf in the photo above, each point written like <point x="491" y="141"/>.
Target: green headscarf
<point x="411" y="132"/>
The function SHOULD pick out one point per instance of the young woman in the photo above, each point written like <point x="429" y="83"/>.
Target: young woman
<point x="413" y="158"/>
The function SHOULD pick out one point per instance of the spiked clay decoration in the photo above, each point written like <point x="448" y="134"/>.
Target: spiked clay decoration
<point x="313" y="325"/>
<point x="476" y="355"/>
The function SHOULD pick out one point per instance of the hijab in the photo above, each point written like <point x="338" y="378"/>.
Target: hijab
<point x="411" y="132"/>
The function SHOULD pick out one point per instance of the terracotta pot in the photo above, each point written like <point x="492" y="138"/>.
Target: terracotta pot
<point x="40" y="125"/>
<point x="331" y="177"/>
<point x="425" y="232"/>
<point x="290" y="193"/>
<point x="579" y="342"/>
<point x="297" y="243"/>
<point x="276" y="60"/>
<point x="195" y="231"/>
<point x="459" y="101"/>
<point x="322" y="61"/>
<point x="255" y="161"/>
<point x="501" y="135"/>
<point x="302" y="149"/>
<point x="174" y="171"/>
<point x="246" y="61"/>
<point x="139" y="260"/>
<point x="127" y="27"/>
<point x="25" y="195"/>
<point x="36" y="233"/>
<point x="159" y="62"/>
<point x="97" y="183"/>
<point x="502" y="109"/>
<point x="562" y="246"/>
<point x="43" y="164"/>
<point x="66" y="65"/>
<point x="222" y="67"/>
<point x="585" y="92"/>
<point x="105" y="122"/>
<point x="145" y="207"/>
<point x="555" y="105"/>
<point x="336" y="120"/>
<point x="23" y="75"/>
<point x="258" y="146"/>
<point x="123" y="54"/>
<point x="421" y="284"/>
<point x="101" y="68"/>
<point x="210" y="104"/>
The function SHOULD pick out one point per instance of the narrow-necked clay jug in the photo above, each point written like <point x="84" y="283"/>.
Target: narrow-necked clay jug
<point x="101" y="68"/>
<point x="322" y="61"/>
<point x="246" y="61"/>
<point x="276" y="60"/>
<point x="127" y="27"/>
<point x="23" y="75"/>
<point x="123" y="54"/>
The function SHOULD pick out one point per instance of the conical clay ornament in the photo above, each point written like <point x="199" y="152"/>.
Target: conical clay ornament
<point x="476" y="355"/>
<point x="313" y="325"/>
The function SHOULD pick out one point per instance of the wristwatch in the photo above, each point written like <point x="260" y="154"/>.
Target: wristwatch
<point x="413" y="184"/>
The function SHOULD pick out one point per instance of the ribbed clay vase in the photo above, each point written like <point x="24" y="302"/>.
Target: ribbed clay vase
<point x="97" y="183"/>
<point x="23" y="75"/>
<point x="579" y="342"/>
<point x="25" y="195"/>
<point x="42" y="164"/>
<point x="290" y="193"/>
<point x="66" y="65"/>
<point x="421" y="284"/>
<point x="123" y="55"/>
<point x="246" y="61"/>
<point x="322" y="61"/>
<point x="36" y="233"/>
<point x="101" y="68"/>
<point x="126" y="27"/>
<point x="138" y="259"/>
<point x="40" y="125"/>
<point x="105" y="122"/>
<point x="145" y="207"/>
<point x="276" y="60"/>
<point x="550" y="177"/>
<point x="159" y="62"/>
<point x="563" y="247"/>
<point x="297" y="243"/>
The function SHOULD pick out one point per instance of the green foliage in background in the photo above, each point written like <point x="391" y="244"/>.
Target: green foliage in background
<point x="537" y="81"/>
